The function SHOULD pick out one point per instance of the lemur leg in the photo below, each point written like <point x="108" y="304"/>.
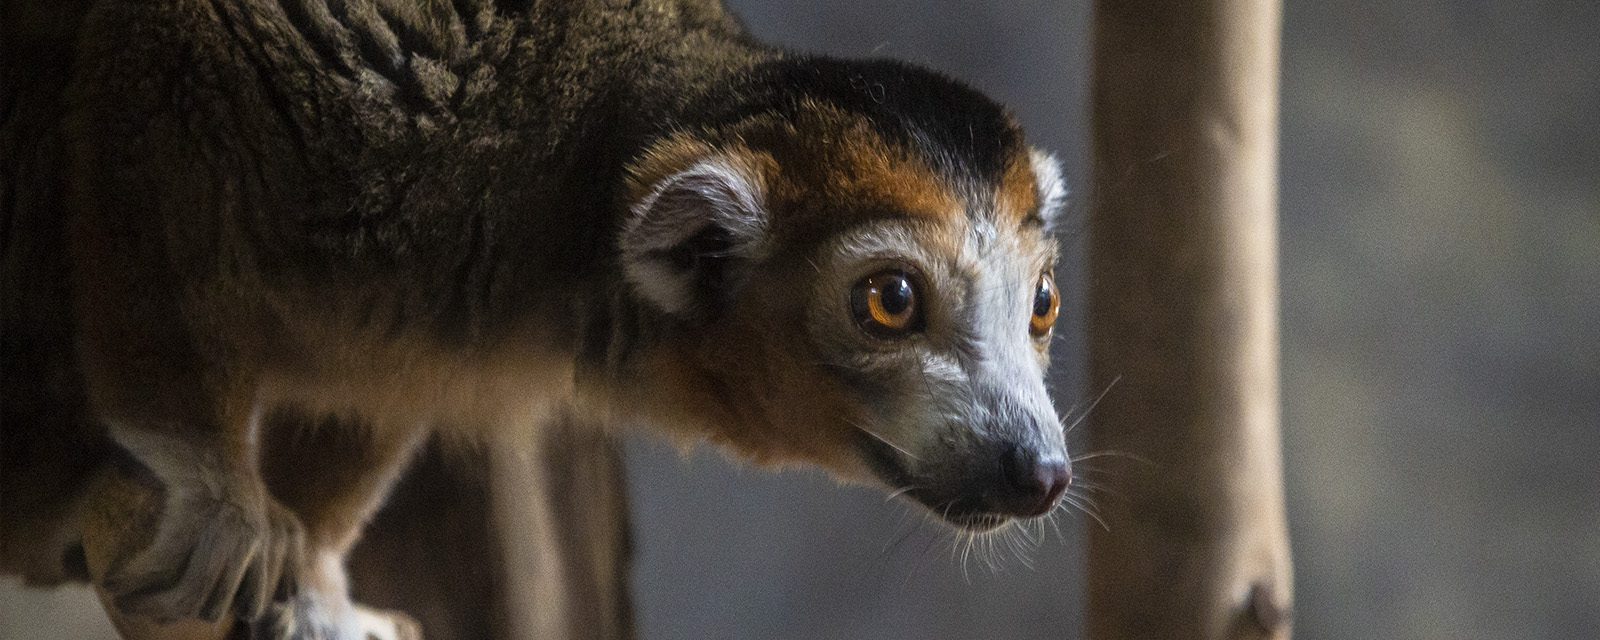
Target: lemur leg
<point x="218" y="545"/>
<point x="334" y="475"/>
<point x="475" y="526"/>
<point x="119" y="514"/>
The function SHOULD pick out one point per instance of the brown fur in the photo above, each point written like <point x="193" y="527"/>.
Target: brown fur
<point x="864" y="168"/>
<point x="1017" y="198"/>
<point x="255" y="218"/>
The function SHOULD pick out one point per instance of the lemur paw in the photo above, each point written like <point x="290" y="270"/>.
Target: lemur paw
<point x="305" y="617"/>
<point x="209" y="555"/>
<point x="386" y="625"/>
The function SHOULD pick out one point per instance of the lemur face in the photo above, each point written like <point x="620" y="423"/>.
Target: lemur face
<point x="937" y="332"/>
<point x="879" y="307"/>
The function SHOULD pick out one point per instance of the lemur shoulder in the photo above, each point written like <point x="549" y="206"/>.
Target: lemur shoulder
<point x="468" y="217"/>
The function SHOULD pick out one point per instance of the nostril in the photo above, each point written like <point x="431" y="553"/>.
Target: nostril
<point x="1033" y="484"/>
<point x="1057" y="476"/>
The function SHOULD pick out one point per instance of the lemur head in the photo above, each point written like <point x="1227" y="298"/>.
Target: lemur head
<point x="854" y="261"/>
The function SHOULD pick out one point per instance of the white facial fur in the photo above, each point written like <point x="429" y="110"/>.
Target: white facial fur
<point x="1052" y="187"/>
<point x="976" y="368"/>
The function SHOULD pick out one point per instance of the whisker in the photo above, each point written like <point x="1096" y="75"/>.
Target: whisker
<point x="1082" y="497"/>
<point x="922" y="556"/>
<point x="1110" y="453"/>
<point x="900" y="539"/>
<point x="1037" y="536"/>
<point x="1017" y="538"/>
<point x="1056" y="525"/>
<point x="882" y="439"/>
<point x="1085" y="506"/>
<point x="1094" y="404"/>
<point x="966" y="550"/>
<point x="922" y="376"/>
<point x="1090" y="488"/>
<point x="991" y="555"/>
<point x="900" y="492"/>
<point x="932" y="540"/>
<point x="1023" y="553"/>
<point x="1086" y="510"/>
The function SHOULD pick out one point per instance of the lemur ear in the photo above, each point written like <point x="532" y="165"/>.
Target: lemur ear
<point x="692" y="232"/>
<point x="1052" y="188"/>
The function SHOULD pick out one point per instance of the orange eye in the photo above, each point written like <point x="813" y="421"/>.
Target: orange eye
<point x="885" y="304"/>
<point x="1046" y="306"/>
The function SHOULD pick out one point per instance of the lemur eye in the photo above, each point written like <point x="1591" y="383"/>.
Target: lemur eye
<point x="885" y="304"/>
<point x="1046" y="306"/>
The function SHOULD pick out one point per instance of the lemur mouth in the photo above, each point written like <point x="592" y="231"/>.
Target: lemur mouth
<point x="980" y="522"/>
<point x="960" y="512"/>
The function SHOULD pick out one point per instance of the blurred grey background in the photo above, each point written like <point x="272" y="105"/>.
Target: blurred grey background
<point x="1441" y="342"/>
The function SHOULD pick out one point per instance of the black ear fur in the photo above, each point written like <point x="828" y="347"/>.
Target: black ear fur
<point x="687" y="240"/>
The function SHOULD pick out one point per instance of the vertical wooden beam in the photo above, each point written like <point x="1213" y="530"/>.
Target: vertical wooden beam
<point x="1183" y="314"/>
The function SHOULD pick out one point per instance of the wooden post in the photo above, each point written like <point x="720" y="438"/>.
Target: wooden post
<point x="1183" y="315"/>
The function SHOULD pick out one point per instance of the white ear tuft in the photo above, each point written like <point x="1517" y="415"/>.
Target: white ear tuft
<point x="1052" y="188"/>
<point x="682" y="236"/>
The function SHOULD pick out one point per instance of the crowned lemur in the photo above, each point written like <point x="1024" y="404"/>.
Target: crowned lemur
<point x="465" y="217"/>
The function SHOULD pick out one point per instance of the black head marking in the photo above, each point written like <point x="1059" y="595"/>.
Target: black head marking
<point x="933" y="115"/>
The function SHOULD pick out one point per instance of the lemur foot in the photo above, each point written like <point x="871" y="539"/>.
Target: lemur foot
<point x="305" y="617"/>
<point x="210" y="554"/>
<point x="387" y="625"/>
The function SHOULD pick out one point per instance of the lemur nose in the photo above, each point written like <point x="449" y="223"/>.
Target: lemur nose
<point x="1031" y="485"/>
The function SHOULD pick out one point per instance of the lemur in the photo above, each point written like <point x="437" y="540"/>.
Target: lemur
<point x="465" y="217"/>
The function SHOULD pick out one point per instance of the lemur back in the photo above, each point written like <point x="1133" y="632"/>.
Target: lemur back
<point x="473" y="217"/>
